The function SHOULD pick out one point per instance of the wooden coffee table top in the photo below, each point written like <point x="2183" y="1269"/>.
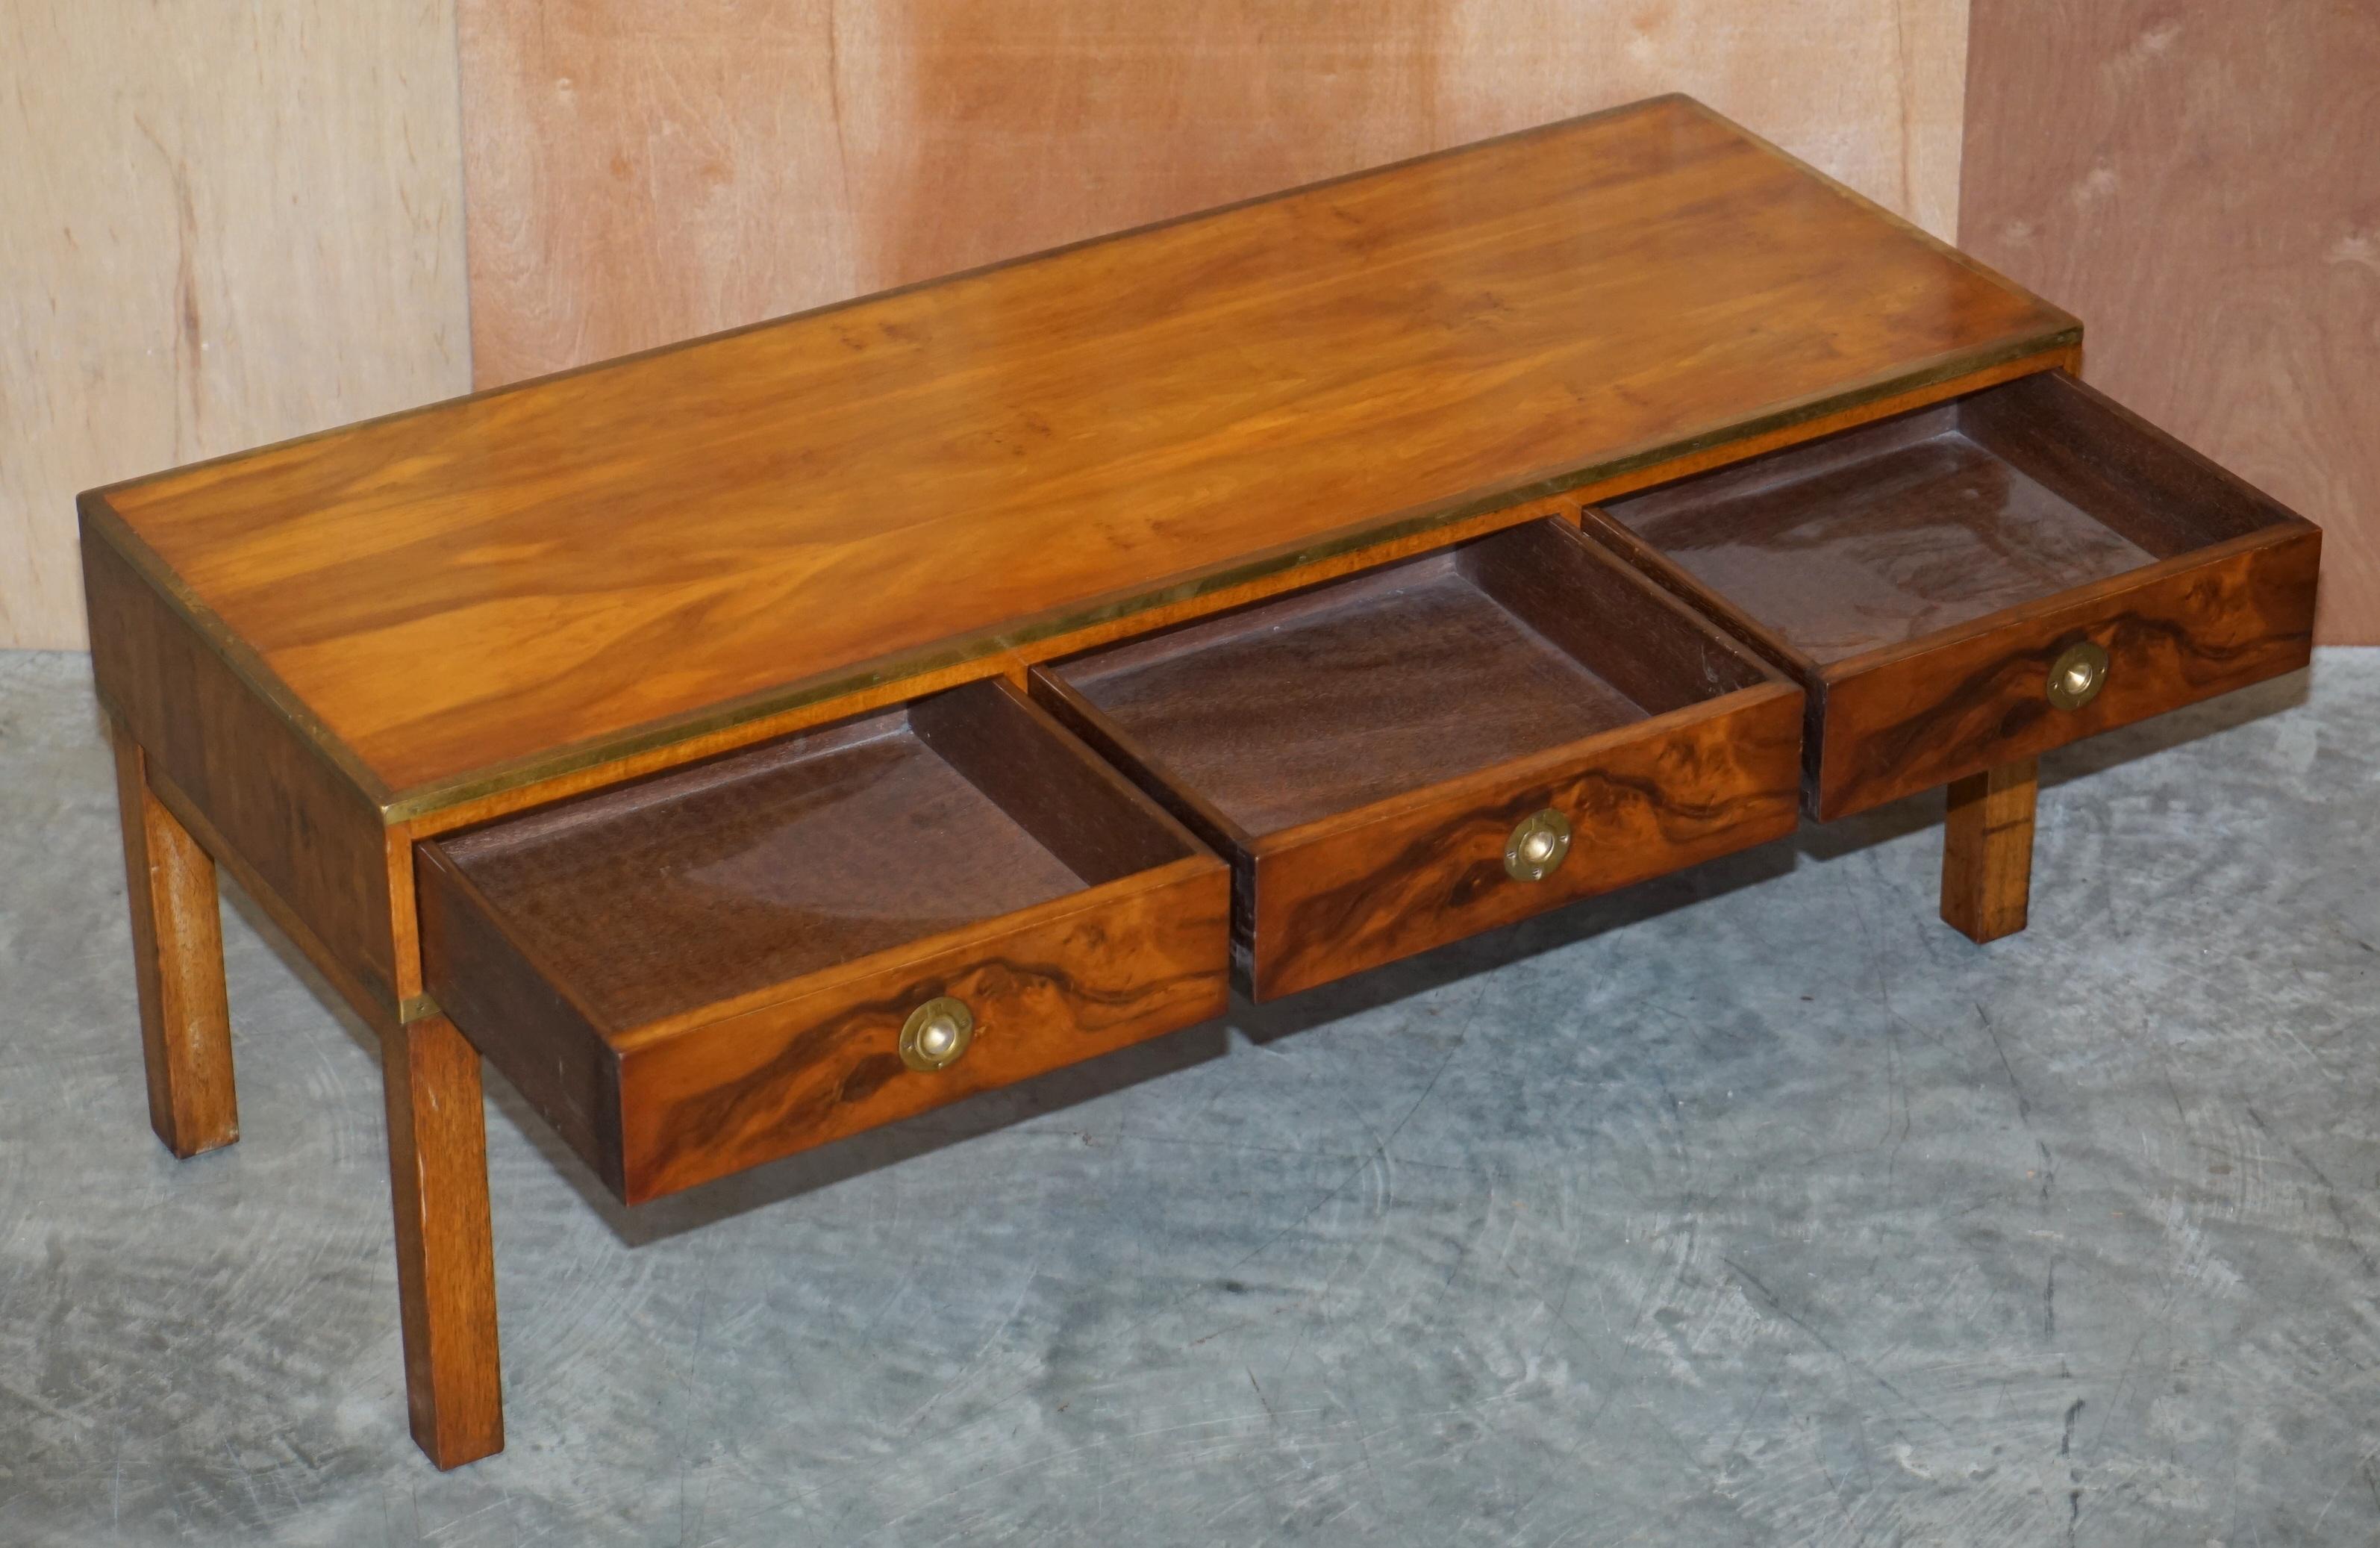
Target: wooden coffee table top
<point x="472" y="596"/>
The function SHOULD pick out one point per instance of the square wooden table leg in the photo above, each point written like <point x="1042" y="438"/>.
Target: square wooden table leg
<point x="178" y="964"/>
<point x="1988" y="850"/>
<point x="445" y="1257"/>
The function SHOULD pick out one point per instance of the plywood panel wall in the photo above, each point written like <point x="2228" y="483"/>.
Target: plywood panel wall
<point x="641" y="171"/>
<point x="2200" y="181"/>
<point x="220" y="226"/>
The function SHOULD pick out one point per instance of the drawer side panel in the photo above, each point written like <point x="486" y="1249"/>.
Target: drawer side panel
<point x="519" y="1022"/>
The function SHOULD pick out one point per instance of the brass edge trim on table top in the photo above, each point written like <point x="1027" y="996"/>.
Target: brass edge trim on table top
<point x="421" y="801"/>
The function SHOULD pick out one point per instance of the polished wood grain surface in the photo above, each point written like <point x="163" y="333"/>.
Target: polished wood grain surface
<point x="1850" y="561"/>
<point x="1362" y="753"/>
<point x="1988" y="850"/>
<point x="178" y="967"/>
<point x="445" y="1252"/>
<point x="896" y="485"/>
<point x="2197" y="177"/>
<point x="710" y="969"/>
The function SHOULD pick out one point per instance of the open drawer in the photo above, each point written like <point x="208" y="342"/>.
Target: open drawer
<point x="1983" y="581"/>
<point x="735" y="961"/>
<point x="1442" y="746"/>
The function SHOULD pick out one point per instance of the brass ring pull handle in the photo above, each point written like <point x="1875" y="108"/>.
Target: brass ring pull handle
<point x="1536" y="847"/>
<point x="2078" y="675"/>
<point x="937" y="1033"/>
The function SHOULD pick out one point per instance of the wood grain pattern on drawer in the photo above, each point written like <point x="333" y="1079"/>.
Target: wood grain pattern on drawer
<point x="1077" y="978"/>
<point x="1984" y="580"/>
<point x="2175" y="633"/>
<point x="1353" y="892"/>
<point x="748" y="958"/>
<point x="1443" y="746"/>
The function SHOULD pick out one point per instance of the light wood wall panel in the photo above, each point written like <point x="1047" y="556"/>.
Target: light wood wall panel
<point x="220" y="226"/>
<point x="641" y="171"/>
<point x="2200" y="181"/>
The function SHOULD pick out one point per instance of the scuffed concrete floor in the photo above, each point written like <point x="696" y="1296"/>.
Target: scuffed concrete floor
<point x="1751" y="1207"/>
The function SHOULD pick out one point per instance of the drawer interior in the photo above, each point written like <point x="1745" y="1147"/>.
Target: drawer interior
<point x="1300" y="708"/>
<point x="1914" y="525"/>
<point x="785" y="859"/>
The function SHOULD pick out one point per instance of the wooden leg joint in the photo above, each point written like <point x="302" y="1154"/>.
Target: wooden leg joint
<point x="1988" y="850"/>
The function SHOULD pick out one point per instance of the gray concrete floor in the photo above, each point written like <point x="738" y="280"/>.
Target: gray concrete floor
<point x="1753" y="1206"/>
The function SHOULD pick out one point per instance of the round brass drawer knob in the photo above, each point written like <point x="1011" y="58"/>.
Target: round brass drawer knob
<point x="937" y="1033"/>
<point x="1536" y="847"/>
<point x="2078" y="675"/>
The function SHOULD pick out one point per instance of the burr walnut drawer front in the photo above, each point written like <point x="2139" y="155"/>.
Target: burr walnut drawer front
<point x="735" y="961"/>
<point x="1984" y="580"/>
<point x="1442" y="746"/>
